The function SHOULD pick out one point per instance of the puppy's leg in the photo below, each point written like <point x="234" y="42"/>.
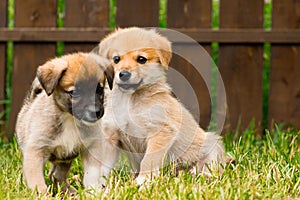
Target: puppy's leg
<point x="97" y="163"/>
<point x="157" y="149"/>
<point x="58" y="175"/>
<point x="135" y="162"/>
<point x="33" y="167"/>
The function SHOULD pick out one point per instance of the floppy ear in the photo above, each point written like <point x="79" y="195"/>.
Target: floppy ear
<point x="110" y="74"/>
<point x="164" y="50"/>
<point x="106" y="66"/>
<point x="50" y="73"/>
<point x="96" y="50"/>
<point x="164" y="57"/>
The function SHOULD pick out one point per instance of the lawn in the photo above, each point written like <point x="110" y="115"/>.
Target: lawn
<point x="267" y="168"/>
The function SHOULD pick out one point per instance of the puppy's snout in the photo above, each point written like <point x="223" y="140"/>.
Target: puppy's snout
<point x="95" y="112"/>
<point x="92" y="114"/>
<point x="124" y="75"/>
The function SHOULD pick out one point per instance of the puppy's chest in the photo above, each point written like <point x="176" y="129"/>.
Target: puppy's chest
<point x="130" y="120"/>
<point x="138" y="119"/>
<point x="67" y="143"/>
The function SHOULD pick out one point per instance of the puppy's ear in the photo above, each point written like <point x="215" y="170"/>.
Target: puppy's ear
<point x="106" y="66"/>
<point x="110" y="74"/>
<point x="50" y="73"/>
<point x="96" y="50"/>
<point x="164" y="50"/>
<point x="164" y="57"/>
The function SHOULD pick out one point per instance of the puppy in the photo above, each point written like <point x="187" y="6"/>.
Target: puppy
<point x="60" y="120"/>
<point x="142" y="117"/>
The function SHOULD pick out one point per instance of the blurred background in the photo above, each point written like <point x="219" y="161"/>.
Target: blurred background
<point x="253" y="44"/>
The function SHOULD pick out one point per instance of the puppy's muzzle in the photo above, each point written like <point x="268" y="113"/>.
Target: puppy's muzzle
<point x="125" y="84"/>
<point x="90" y="114"/>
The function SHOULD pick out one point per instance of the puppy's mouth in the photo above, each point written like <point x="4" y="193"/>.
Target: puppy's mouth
<point x="130" y="86"/>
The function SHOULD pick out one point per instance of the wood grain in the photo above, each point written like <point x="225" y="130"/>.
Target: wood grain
<point x="137" y="13"/>
<point x="28" y="56"/>
<point x="3" y="14"/>
<point x="191" y="14"/>
<point x="85" y="13"/>
<point x="241" y="65"/>
<point x="202" y="35"/>
<point x="284" y="99"/>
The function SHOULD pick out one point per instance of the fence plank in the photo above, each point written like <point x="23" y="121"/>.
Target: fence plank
<point x="85" y="13"/>
<point x="191" y="14"/>
<point x="137" y="13"/>
<point x="27" y="56"/>
<point x="241" y="65"/>
<point x="284" y="100"/>
<point x="202" y="35"/>
<point x="3" y="14"/>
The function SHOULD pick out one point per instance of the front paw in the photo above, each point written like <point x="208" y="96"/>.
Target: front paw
<point x="140" y="180"/>
<point x="69" y="190"/>
<point x="41" y="189"/>
<point x="94" y="183"/>
<point x="143" y="182"/>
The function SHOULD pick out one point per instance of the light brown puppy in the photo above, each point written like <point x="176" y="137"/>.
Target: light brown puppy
<point x="60" y="120"/>
<point x="142" y="117"/>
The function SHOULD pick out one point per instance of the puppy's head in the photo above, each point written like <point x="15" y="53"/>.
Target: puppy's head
<point x="77" y="82"/>
<point x="139" y="56"/>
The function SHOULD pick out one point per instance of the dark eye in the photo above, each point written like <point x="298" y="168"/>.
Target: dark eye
<point x="73" y="94"/>
<point x="116" y="59"/>
<point x="99" y="89"/>
<point x="141" y="59"/>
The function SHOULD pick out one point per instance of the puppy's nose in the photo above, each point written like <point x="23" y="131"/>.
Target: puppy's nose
<point x="92" y="114"/>
<point x="124" y="75"/>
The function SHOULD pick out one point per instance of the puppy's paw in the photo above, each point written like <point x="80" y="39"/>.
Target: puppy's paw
<point x="93" y="188"/>
<point x="141" y="180"/>
<point x="40" y="189"/>
<point x="68" y="190"/>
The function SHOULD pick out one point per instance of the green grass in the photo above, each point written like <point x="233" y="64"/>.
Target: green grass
<point x="112" y="13"/>
<point x="60" y="23"/>
<point x="263" y="169"/>
<point x="162" y="18"/>
<point x="266" y="64"/>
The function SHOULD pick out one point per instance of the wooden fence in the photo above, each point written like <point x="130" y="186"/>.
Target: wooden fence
<point x="240" y="36"/>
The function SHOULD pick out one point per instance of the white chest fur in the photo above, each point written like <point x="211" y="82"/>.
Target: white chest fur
<point x="133" y="118"/>
<point x="68" y="141"/>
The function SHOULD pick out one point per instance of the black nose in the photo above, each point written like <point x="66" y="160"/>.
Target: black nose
<point x="99" y="113"/>
<point x="124" y="75"/>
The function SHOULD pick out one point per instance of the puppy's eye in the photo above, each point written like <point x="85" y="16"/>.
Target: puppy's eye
<point x="116" y="59"/>
<point x="73" y="94"/>
<point x="141" y="59"/>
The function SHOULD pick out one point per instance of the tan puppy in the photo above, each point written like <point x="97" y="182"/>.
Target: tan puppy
<point x="142" y="117"/>
<point x="60" y="120"/>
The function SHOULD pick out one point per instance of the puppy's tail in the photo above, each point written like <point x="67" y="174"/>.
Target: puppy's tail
<point x="212" y="153"/>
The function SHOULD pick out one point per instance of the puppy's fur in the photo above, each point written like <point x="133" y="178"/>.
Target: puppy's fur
<point x="142" y="117"/>
<point x="60" y="120"/>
